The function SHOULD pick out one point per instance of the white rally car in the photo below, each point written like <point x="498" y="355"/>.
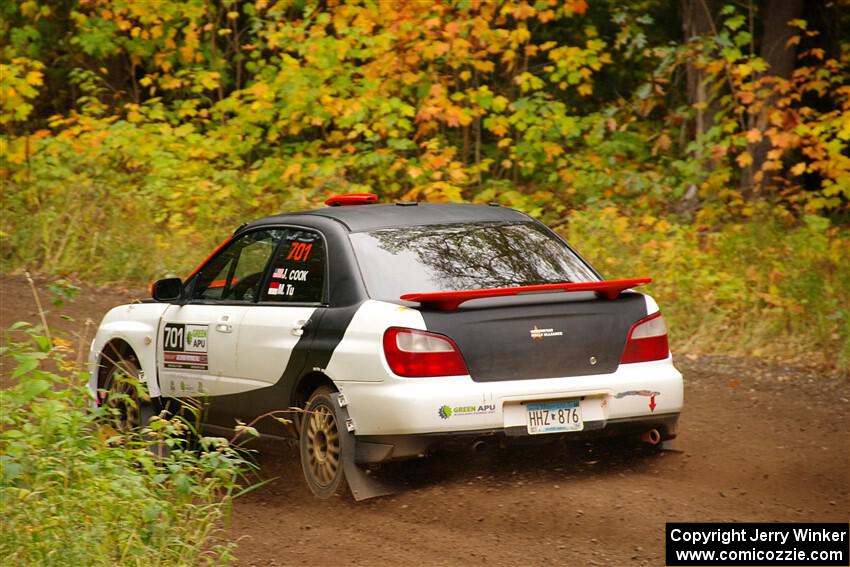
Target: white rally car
<point x="397" y="327"/>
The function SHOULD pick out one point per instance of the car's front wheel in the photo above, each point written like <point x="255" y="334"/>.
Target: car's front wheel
<point x="130" y="407"/>
<point x="321" y="446"/>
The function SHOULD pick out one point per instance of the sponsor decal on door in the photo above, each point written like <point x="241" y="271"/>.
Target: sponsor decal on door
<point x="185" y="346"/>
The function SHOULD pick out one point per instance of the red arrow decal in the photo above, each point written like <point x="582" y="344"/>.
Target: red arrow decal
<point x="652" y="403"/>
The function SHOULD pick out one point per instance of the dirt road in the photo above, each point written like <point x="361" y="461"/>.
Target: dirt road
<point x="758" y="442"/>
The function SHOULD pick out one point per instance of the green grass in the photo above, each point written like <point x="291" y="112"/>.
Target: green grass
<point x="767" y="286"/>
<point x="75" y="492"/>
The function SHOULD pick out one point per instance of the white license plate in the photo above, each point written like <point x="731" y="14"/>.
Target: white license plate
<point x="552" y="417"/>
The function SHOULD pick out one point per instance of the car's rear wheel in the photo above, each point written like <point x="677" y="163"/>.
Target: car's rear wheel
<point x="321" y="446"/>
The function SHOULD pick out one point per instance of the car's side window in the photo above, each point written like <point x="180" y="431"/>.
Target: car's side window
<point x="237" y="273"/>
<point x="298" y="269"/>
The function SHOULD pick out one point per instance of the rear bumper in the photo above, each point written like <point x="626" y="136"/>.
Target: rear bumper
<point x="372" y="449"/>
<point x="457" y="405"/>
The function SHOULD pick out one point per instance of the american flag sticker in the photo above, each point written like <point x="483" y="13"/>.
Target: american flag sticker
<point x="274" y="288"/>
<point x="279" y="273"/>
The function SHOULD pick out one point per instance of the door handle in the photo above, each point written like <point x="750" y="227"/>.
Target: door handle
<point x="223" y="325"/>
<point x="299" y="327"/>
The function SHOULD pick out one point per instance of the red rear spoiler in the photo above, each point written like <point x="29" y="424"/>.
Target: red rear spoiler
<point x="450" y="300"/>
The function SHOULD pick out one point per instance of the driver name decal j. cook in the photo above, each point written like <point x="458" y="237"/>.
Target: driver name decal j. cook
<point x="185" y="346"/>
<point x="298" y="252"/>
<point x="291" y="274"/>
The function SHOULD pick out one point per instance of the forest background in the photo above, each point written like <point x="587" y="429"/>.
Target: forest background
<point x="700" y="142"/>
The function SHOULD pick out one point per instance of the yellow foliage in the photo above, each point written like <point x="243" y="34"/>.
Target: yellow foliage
<point x="744" y="159"/>
<point x="799" y="168"/>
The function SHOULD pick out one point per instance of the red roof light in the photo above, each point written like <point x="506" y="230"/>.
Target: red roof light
<point x="352" y="199"/>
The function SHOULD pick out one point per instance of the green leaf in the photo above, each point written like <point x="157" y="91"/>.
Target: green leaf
<point x="42" y="342"/>
<point x="735" y="22"/>
<point x="10" y="469"/>
<point x="183" y="484"/>
<point x="152" y="512"/>
<point x="254" y="487"/>
<point x="26" y="366"/>
<point x="33" y="388"/>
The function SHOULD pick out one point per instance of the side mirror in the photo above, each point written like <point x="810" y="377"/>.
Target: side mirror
<point x="167" y="290"/>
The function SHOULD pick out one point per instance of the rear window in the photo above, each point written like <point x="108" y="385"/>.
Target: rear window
<point x="451" y="257"/>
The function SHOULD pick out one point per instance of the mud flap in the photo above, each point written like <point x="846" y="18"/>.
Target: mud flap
<point x="363" y="486"/>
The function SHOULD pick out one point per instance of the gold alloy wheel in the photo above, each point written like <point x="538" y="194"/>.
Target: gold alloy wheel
<point x="323" y="448"/>
<point x="123" y="396"/>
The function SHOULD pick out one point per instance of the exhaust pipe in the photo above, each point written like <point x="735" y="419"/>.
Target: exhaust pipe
<point x="479" y="445"/>
<point x="653" y="437"/>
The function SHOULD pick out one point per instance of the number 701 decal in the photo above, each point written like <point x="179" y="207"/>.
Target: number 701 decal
<point x="185" y="346"/>
<point x="299" y="251"/>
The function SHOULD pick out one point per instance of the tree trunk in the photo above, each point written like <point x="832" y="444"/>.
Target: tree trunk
<point x="698" y="20"/>
<point x="781" y="59"/>
<point x="777" y="32"/>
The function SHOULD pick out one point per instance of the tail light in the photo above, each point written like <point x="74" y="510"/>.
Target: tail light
<point x="647" y="340"/>
<point x="418" y="354"/>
